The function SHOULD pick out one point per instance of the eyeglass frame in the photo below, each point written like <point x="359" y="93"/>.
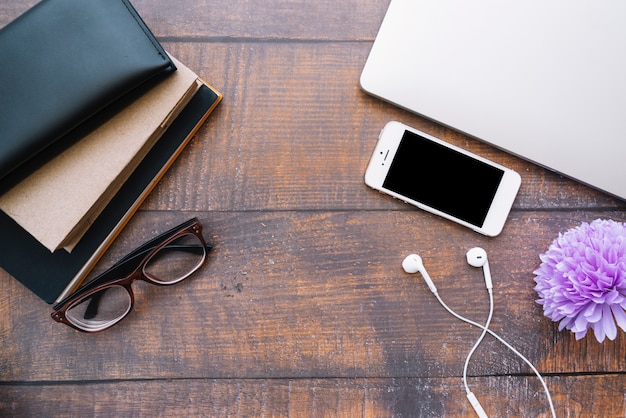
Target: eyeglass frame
<point x="130" y="269"/>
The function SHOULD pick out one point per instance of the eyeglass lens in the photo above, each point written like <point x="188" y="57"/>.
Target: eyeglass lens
<point x="100" y="310"/>
<point x="171" y="264"/>
<point x="176" y="261"/>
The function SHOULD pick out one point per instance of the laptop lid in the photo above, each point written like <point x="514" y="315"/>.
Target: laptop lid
<point x="544" y="80"/>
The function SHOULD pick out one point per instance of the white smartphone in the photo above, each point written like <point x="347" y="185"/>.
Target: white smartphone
<point x="443" y="179"/>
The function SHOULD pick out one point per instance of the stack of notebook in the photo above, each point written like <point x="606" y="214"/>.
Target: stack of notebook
<point x="93" y="112"/>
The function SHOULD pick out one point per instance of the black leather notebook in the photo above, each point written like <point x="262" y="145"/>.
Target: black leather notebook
<point x="51" y="275"/>
<point x="62" y="63"/>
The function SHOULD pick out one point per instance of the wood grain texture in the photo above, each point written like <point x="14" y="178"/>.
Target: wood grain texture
<point x="307" y="397"/>
<point x="303" y="308"/>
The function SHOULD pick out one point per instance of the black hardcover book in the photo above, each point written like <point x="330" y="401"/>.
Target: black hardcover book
<point x="51" y="276"/>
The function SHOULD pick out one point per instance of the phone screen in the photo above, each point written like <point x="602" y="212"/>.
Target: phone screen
<point x="443" y="178"/>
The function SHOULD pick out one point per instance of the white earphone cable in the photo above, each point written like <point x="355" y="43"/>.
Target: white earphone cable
<point x="506" y="344"/>
<point x="480" y="340"/>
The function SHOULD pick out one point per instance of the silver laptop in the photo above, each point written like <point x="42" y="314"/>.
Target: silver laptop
<point x="542" y="79"/>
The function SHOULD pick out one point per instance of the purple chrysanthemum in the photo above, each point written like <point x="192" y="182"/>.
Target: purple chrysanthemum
<point x="582" y="279"/>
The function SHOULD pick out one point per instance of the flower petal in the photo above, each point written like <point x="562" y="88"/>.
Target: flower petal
<point x="580" y="323"/>
<point x="598" y="331"/>
<point x="581" y="334"/>
<point x="593" y="313"/>
<point x="620" y="316"/>
<point x="608" y="324"/>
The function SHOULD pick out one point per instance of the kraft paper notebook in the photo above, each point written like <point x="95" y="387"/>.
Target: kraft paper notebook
<point x="63" y="63"/>
<point x="53" y="275"/>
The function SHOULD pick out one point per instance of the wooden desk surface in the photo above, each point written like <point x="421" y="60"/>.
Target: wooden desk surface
<point x="303" y="308"/>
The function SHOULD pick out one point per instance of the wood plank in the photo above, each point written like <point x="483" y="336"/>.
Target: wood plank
<point x="239" y="19"/>
<point x="319" y="20"/>
<point x="314" y="294"/>
<point x="500" y="396"/>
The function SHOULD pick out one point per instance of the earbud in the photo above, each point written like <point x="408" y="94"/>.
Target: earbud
<point x="413" y="264"/>
<point x="477" y="257"/>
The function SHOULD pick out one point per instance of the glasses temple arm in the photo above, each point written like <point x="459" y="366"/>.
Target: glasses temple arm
<point x="146" y="248"/>
<point x="156" y="240"/>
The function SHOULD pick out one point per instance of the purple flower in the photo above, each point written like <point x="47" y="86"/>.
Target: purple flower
<point x="582" y="279"/>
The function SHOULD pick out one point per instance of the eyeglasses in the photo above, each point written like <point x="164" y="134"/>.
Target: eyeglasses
<point x="107" y="299"/>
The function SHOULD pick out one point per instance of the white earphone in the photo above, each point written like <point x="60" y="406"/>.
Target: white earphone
<point x="413" y="264"/>
<point x="476" y="257"/>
